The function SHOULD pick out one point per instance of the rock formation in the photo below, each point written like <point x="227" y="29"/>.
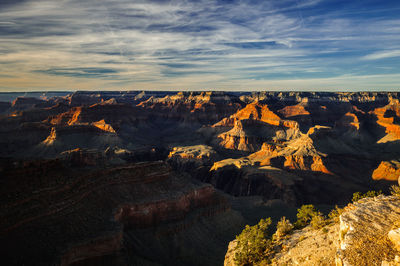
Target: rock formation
<point x="364" y="229"/>
<point x="367" y="233"/>
<point x="253" y="125"/>
<point x="389" y="118"/>
<point x="387" y="170"/>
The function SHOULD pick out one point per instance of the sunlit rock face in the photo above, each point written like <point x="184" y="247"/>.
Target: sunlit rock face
<point x="364" y="233"/>
<point x="190" y="108"/>
<point x="389" y="118"/>
<point x="253" y="125"/>
<point x="389" y="170"/>
<point x="192" y="156"/>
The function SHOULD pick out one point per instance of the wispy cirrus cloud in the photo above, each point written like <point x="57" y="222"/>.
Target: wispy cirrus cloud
<point x="382" y="54"/>
<point x="191" y="44"/>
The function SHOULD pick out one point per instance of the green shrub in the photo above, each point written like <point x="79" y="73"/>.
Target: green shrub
<point x="318" y="221"/>
<point x="395" y="190"/>
<point x="335" y="214"/>
<point x="283" y="227"/>
<point x="253" y="245"/>
<point x="358" y="195"/>
<point x="304" y="215"/>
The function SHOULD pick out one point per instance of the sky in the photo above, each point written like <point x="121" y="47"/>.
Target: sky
<point x="329" y="45"/>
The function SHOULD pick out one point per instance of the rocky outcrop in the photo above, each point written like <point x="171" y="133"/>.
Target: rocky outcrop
<point x="252" y="126"/>
<point x="197" y="152"/>
<point x="249" y="135"/>
<point x="348" y="121"/>
<point x="64" y="138"/>
<point x="394" y="237"/>
<point x="388" y="170"/>
<point x="302" y="247"/>
<point x="82" y="157"/>
<point x="367" y="233"/>
<point x="189" y="158"/>
<point x="257" y="111"/>
<point x="190" y="108"/>
<point x="389" y="118"/>
<point x="307" y="163"/>
<point x="51" y="138"/>
<point x="294" y="110"/>
<point x="364" y="229"/>
<point x="23" y="103"/>
<point x="104" y="126"/>
<point x="163" y="211"/>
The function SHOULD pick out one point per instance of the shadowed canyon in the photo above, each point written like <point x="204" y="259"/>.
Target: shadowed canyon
<point x="170" y="178"/>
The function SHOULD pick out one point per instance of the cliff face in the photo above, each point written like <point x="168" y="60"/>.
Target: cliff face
<point x="86" y="215"/>
<point x="253" y="125"/>
<point x="389" y="118"/>
<point x="387" y="170"/>
<point x="23" y="103"/>
<point x="249" y="135"/>
<point x="192" y="107"/>
<point x="194" y="159"/>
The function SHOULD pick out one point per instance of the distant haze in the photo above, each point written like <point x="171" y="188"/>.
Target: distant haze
<point x="199" y="45"/>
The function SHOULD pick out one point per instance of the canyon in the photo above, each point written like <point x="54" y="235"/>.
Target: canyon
<point x="169" y="178"/>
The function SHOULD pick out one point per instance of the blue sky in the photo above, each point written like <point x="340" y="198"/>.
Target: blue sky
<point x="178" y="45"/>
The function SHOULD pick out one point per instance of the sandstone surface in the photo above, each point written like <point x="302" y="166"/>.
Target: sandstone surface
<point x="387" y="170"/>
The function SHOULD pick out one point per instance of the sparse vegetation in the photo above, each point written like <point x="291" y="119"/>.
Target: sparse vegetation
<point x="395" y="191"/>
<point x="358" y="195"/>
<point x="370" y="251"/>
<point x="335" y="214"/>
<point x="318" y="221"/>
<point x="253" y="244"/>
<point x="283" y="227"/>
<point x="305" y="215"/>
<point x="301" y="238"/>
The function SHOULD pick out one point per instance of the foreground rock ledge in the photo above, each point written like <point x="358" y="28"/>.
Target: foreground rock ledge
<point x="364" y="228"/>
<point x="368" y="234"/>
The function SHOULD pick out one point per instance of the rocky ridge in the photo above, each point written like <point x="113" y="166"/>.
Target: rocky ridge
<point x="367" y="233"/>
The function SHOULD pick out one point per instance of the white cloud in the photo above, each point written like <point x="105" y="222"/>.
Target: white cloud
<point x="382" y="55"/>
